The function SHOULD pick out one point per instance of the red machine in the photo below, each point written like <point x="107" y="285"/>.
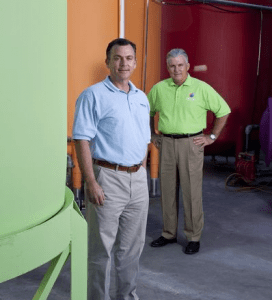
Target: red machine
<point x="245" y="166"/>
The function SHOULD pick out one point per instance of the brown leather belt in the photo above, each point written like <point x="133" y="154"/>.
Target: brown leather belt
<point x="181" y="136"/>
<point x="116" y="167"/>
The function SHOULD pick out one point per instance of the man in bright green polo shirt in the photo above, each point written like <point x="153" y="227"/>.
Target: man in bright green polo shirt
<point x="182" y="102"/>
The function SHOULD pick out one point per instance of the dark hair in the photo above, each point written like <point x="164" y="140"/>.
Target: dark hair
<point x="119" y="42"/>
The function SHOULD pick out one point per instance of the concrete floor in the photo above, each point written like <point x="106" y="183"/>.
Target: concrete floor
<point x="234" y="262"/>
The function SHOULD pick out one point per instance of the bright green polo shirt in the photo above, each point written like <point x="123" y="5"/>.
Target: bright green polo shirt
<point x="183" y="109"/>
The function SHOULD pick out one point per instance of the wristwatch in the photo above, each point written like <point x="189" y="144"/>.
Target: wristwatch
<point x="212" y="136"/>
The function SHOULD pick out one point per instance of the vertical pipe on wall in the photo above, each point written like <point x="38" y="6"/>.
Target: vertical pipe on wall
<point x="122" y="19"/>
<point x="154" y="152"/>
<point x="145" y="45"/>
<point x="260" y="43"/>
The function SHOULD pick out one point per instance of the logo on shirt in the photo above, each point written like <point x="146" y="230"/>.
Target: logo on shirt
<point x="191" y="97"/>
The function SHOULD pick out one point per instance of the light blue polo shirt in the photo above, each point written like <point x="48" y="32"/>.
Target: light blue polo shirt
<point x="116" y="122"/>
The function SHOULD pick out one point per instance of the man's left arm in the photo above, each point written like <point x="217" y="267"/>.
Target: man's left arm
<point x="205" y="140"/>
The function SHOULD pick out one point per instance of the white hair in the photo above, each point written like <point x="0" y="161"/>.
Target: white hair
<point x="175" y="53"/>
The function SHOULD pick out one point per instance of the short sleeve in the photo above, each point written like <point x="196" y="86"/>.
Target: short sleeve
<point x="152" y="101"/>
<point x="216" y="103"/>
<point x="86" y="117"/>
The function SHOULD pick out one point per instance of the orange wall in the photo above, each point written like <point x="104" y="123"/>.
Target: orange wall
<point x="91" y="26"/>
<point x="154" y="46"/>
<point x="134" y="31"/>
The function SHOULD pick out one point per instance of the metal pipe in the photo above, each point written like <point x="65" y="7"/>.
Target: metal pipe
<point x="145" y="45"/>
<point x="233" y="3"/>
<point x="122" y="19"/>
<point x="154" y="187"/>
<point x="248" y="130"/>
<point x="260" y="44"/>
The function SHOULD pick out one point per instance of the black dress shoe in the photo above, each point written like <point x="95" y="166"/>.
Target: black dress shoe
<point x="161" y="241"/>
<point x="192" y="248"/>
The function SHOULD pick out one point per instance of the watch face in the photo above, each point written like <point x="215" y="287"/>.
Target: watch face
<point x="212" y="136"/>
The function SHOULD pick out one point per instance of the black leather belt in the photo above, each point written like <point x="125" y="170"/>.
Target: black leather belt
<point x="181" y="136"/>
<point x="116" y="167"/>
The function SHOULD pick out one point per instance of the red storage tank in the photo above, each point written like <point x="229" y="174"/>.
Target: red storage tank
<point x="226" y="39"/>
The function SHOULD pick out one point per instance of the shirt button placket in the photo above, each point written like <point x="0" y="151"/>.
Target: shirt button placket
<point x="130" y="104"/>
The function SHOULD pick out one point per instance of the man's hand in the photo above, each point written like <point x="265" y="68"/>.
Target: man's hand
<point x="95" y="193"/>
<point x="156" y="140"/>
<point x="203" y="141"/>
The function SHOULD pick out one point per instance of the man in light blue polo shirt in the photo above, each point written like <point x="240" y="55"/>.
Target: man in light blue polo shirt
<point x="111" y="133"/>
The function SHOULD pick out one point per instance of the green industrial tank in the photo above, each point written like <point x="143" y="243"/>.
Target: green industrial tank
<point x="32" y="113"/>
<point x="39" y="220"/>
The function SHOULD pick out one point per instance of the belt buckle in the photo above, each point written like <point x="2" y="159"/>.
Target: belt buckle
<point x="129" y="170"/>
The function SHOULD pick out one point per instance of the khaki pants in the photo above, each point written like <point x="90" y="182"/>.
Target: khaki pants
<point x="119" y="226"/>
<point x="188" y="158"/>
